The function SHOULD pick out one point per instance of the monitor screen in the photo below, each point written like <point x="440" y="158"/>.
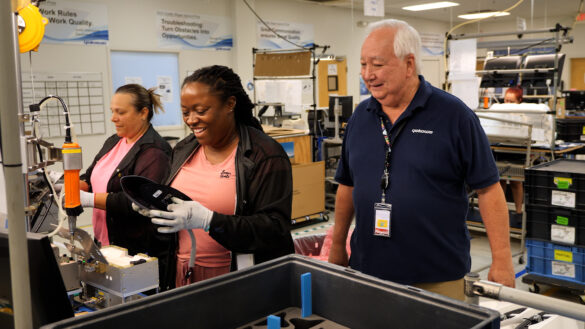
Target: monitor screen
<point x="346" y="103"/>
<point x="501" y="79"/>
<point x="49" y="298"/>
<point x="542" y="79"/>
<point x="574" y="99"/>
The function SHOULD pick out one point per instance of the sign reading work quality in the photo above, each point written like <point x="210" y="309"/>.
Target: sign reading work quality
<point x="75" y="22"/>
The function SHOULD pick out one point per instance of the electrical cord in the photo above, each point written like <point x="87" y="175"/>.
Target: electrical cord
<point x="37" y="135"/>
<point x="68" y="126"/>
<point x="61" y="212"/>
<point x="271" y="29"/>
<point x="42" y="220"/>
<point x="192" y="256"/>
<point x="62" y="216"/>
<point x="445" y="56"/>
<point x="519" y="51"/>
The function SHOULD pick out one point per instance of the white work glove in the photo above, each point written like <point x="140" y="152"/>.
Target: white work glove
<point x="181" y="215"/>
<point x="54" y="176"/>
<point x="87" y="199"/>
<point x="58" y="188"/>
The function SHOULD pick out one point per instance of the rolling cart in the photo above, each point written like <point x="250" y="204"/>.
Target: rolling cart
<point x="534" y="280"/>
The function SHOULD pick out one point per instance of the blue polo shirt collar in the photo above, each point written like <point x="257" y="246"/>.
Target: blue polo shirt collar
<point x="418" y="102"/>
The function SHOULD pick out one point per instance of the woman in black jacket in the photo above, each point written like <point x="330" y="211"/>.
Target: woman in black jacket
<point x="135" y="149"/>
<point x="239" y="178"/>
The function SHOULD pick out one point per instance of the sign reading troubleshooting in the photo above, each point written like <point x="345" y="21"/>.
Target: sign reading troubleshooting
<point x="191" y="31"/>
<point x="75" y="22"/>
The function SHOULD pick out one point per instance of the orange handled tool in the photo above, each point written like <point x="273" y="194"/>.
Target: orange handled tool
<point x="72" y="164"/>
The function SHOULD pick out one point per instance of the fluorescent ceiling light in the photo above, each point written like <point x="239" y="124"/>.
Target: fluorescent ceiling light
<point x="432" y="5"/>
<point x="484" y="14"/>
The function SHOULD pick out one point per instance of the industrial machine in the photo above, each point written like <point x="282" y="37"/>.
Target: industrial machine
<point x="105" y="277"/>
<point x="91" y="277"/>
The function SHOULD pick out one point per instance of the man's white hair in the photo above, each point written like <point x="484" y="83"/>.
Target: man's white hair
<point x="406" y="39"/>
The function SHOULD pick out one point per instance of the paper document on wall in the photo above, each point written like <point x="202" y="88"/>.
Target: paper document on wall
<point x="164" y="85"/>
<point x="466" y="90"/>
<point x="464" y="83"/>
<point x="288" y="92"/>
<point x="374" y="8"/>
<point x="462" y="58"/>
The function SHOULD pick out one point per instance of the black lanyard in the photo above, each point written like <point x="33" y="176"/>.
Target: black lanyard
<point x="385" y="182"/>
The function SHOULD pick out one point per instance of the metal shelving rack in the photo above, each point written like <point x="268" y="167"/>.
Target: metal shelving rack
<point x="560" y="38"/>
<point x="312" y="76"/>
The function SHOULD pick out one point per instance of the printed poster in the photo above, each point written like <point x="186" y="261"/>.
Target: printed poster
<point x="297" y="34"/>
<point x="75" y="22"/>
<point x="192" y="31"/>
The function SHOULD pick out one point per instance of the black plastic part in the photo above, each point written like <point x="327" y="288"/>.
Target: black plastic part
<point x="74" y="211"/>
<point x="148" y="194"/>
<point x="34" y="107"/>
<point x="348" y="298"/>
<point x="136" y="262"/>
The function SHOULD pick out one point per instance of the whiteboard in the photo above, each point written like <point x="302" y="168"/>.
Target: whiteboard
<point x="151" y="69"/>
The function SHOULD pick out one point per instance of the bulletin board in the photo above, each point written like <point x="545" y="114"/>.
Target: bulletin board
<point x="151" y="69"/>
<point x="278" y="64"/>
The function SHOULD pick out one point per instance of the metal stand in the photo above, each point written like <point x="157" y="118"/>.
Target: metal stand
<point x="558" y="40"/>
<point x="15" y="190"/>
<point x="312" y="77"/>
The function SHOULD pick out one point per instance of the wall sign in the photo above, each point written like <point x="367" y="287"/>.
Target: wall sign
<point x="191" y="31"/>
<point x="75" y="22"/>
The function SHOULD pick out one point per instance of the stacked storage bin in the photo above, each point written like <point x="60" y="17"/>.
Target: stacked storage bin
<point x="571" y="130"/>
<point x="555" y="220"/>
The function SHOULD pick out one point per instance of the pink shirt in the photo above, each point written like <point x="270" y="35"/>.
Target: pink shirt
<point x="214" y="186"/>
<point x="102" y="171"/>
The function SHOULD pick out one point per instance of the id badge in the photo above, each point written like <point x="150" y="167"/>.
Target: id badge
<point x="382" y="216"/>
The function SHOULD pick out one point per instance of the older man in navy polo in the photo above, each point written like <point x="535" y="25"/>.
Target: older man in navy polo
<point x="408" y="154"/>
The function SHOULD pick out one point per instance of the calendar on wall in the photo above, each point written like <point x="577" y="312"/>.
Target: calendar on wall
<point x="83" y="93"/>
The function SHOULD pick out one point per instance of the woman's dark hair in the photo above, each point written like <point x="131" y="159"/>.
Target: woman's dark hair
<point x="225" y="83"/>
<point x="143" y="98"/>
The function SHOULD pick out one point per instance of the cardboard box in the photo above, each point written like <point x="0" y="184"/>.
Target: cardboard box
<point x="559" y="108"/>
<point x="308" y="189"/>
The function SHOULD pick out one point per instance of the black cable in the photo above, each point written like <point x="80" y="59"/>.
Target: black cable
<point x="534" y="45"/>
<point x="42" y="220"/>
<point x="66" y="111"/>
<point x="275" y="33"/>
<point x="67" y="140"/>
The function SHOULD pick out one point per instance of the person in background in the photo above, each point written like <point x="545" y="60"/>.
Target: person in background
<point x="514" y="95"/>
<point x="407" y="155"/>
<point x="240" y="181"/>
<point x="135" y="149"/>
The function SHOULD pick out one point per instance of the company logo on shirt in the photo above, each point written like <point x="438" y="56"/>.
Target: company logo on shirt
<point x="422" y="131"/>
<point x="225" y="174"/>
